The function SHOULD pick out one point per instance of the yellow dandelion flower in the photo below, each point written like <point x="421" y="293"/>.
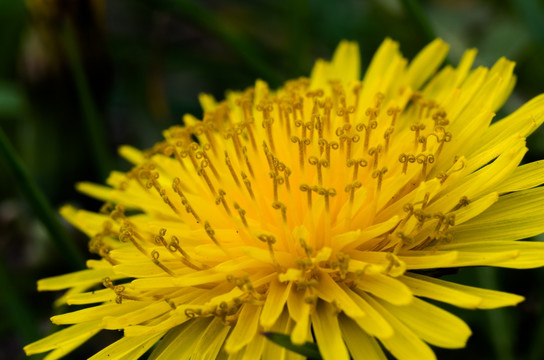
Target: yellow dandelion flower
<point x="309" y="211"/>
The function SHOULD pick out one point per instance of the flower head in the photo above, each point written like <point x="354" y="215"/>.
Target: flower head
<point x="310" y="211"/>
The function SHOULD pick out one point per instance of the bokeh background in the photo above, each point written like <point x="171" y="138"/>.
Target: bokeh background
<point x="79" y="78"/>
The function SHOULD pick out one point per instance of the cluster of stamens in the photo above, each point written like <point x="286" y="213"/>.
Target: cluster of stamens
<point x="261" y="165"/>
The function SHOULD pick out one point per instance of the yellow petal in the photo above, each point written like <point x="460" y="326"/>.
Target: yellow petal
<point x="181" y="341"/>
<point x="360" y="345"/>
<point x="211" y="340"/>
<point x="346" y="64"/>
<point x="420" y="287"/>
<point x="330" y="291"/>
<point x="275" y="302"/>
<point x="372" y="323"/>
<point x="524" y="177"/>
<point x="386" y="287"/>
<point x="523" y="121"/>
<point x="299" y="310"/>
<point x="464" y="65"/>
<point x="415" y="260"/>
<point x="97" y="312"/>
<point x="102" y="295"/>
<point x="404" y="344"/>
<point x="126" y="345"/>
<point x="432" y="324"/>
<point x="327" y="333"/>
<point x="245" y="329"/>
<point x="515" y="216"/>
<point x="137" y="316"/>
<point x="528" y="254"/>
<point x="459" y="295"/>
<point x="426" y="63"/>
<point x="65" y="336"/>
<point x="82" y="277"/>
<point x="255" y="348"/>
<point x="207" y="101"/>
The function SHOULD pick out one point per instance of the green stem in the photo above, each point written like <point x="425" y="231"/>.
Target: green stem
<point x="15" y="307"/>
<point x="499" y="327"/>
<point x="229" y="36"/>
<point x="39" y="203"/>
<point x="414" y="10"/>
<point x="93" y="124"/>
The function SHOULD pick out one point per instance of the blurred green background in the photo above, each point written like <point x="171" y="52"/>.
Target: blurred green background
<point x="79" y="78"/>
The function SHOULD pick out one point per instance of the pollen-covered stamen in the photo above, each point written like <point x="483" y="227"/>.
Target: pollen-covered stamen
<point x="276" y="181"/>
<point x="190" y="152"/>
<point x="417" y="128"/>
<point x="319" y="125"/>
<point x="247" y="183"/>
<point x="405" y="240"/>
<point x="463" y="201"/>
<point x="307" y="189"/>
<point x="371" y="125"/>
<point x="405" y="159"/>
<point x="356" y="163"/>
<point x="221" y="199"/>
<point x="278" y="205"/>
<point x="378" y="174"/>
<point x="267" y="124"/>
<point x="204" y="155"/>
<point x="327" y="194"/>
<point x="234" y="133"/>
<point x="351" y="188"/>
<point x="176" y="185"/>
<point x="201" y="171"/>
<point x="174" y="247"/>
<point x="167" y="201"/>
<point x="155" y="259"/>
<point x="326" y="147"/>
<point x="425" y="160"/>
<point x="242" y="214"/>
<point x="270" y="240"/>
<point x="280" y="167"/>
<point x="318" y="163"/>
<point x="349" y="140"/>
<point x="159" y="239"/>
<point x="340" y="265"/>
<point x="421" y="217"/>
<point x="387" y="135"/>
<point x="375" y="153"/>
<point x="440" y="119"/>
<point x="344" y="111"/>
<point x="302" y="143"/>
<point x="248" y="163"/>
<point x="231" y="169"/>
<point x="211" y="234"/>
<point x="446" y="137"/>
<point x="247" y="104"/>
<point x="393" y="112"/>
<point x="127" y="234"/>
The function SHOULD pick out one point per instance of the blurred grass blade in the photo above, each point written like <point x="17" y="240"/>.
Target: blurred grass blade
<point x="309" y="349"/>
<point x="532" y="14"/>
<point x="500" y="330"/>
<point x="93" y="124"/>
<point x="414" y="11"/>
<point x="217" y="27"/>
<point x="15" y="307"/>
<point x="537" y="346"/>
<point x="39" y="204"/>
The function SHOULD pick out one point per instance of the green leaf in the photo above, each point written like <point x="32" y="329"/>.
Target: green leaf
<point x="308" y="349"/>
<point x="39" y="203"/>
<point x="93" y="123"/>
<point x="11" y="100"/>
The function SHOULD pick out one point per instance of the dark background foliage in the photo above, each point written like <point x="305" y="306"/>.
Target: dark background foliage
<point x="80" y="78"/>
